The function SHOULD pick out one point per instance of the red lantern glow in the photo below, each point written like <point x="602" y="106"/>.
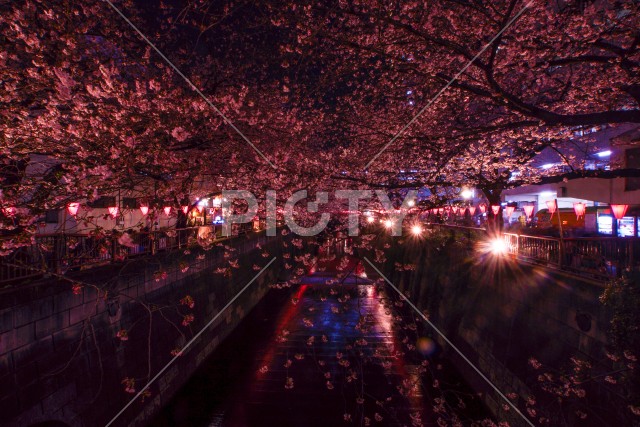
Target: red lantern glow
<point x="167" y="210"/>
<point x="440" y="211"/>
<point x="455" y="209"/>
<point x="619" y="210"/>
<point x="510" y="210"/>
<point x="113" y="211"/>
<point x="528" y="210"/>
<point x="472" y="210"/>
<point x="200" y="208"/>
<point x="144" y="210"/>
<point x="10" y="211"/>
<point x="72" y="208"/>
<point x="551" y="205"/>
<point x="185" y="209"/>
<point x="483" y="208"/>
<point x="579" y="208"/>
<point x="495" y="209"/>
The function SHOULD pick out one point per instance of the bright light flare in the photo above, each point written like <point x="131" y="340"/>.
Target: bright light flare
<point x="411" y="203"/>
<point x="388" y="223"/>
<point x="498" y="247"/>
<point x="416" y="230"/>
<point x="370" y="219"/>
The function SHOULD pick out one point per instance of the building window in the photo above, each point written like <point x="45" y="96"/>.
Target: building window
<point x="129" y="203"/>
<point x="52" y="217"/>
<point x="632" y="161"/>
<point x="103" y="202"/>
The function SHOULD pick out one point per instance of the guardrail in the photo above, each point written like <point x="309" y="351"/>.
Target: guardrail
<point x="599" y="258"/>
<point x="60" y="253"/>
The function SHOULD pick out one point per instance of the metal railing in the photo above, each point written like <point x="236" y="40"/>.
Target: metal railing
<point x="60" y="253"/>
<point x="597" y="257"/>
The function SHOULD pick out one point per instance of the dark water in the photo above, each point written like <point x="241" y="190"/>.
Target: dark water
<point x="325" y="354"/>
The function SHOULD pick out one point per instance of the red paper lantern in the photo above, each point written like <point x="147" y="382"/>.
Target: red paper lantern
<point x="144" y="210"/>
<point x="472" y="210"/>
<point x="113" y="211"/>
<point x="72" y="208"/>
<point x="185" y="209"/>
<point x="619" y="210"/>
<point x="551" y="205"/>
<point x="455" y="209"/>
<point x="10" y="211"/>
<point x="483" y="208"/>
<point x="495" y="209"/>
<point x="167" y="210"/>
<point x="579" y="208"/>
<point x="528" y="210"/>
<point x="510" y="210"/>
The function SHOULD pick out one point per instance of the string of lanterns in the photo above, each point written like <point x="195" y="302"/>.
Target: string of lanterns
<point x="579" y="208"/>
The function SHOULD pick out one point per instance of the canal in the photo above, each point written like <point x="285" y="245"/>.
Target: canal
<point x="336" y="349"/>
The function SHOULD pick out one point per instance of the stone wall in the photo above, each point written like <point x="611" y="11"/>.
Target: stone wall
<point x="60" y="358"/>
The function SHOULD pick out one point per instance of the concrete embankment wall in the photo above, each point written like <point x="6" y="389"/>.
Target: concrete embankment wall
<point x="499" y="313"/>
<point x="60" y="357"/>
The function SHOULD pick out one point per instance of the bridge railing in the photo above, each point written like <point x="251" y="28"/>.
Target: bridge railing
<point x="61" y="252"/>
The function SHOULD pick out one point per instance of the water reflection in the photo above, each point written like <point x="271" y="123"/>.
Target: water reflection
<point x="336" y="348"/>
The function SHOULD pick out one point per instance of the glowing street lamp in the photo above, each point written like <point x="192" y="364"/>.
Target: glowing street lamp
<point x="466" y="193"/>
<point x="388" y="223"/>
<point x="72" y="208"/>
<point x="370" y="219"/>
<point x="579" y="208"/>
<point x="411" y="203"/>
<point x="416" y="230"/>
<point x="498" y="247"/>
